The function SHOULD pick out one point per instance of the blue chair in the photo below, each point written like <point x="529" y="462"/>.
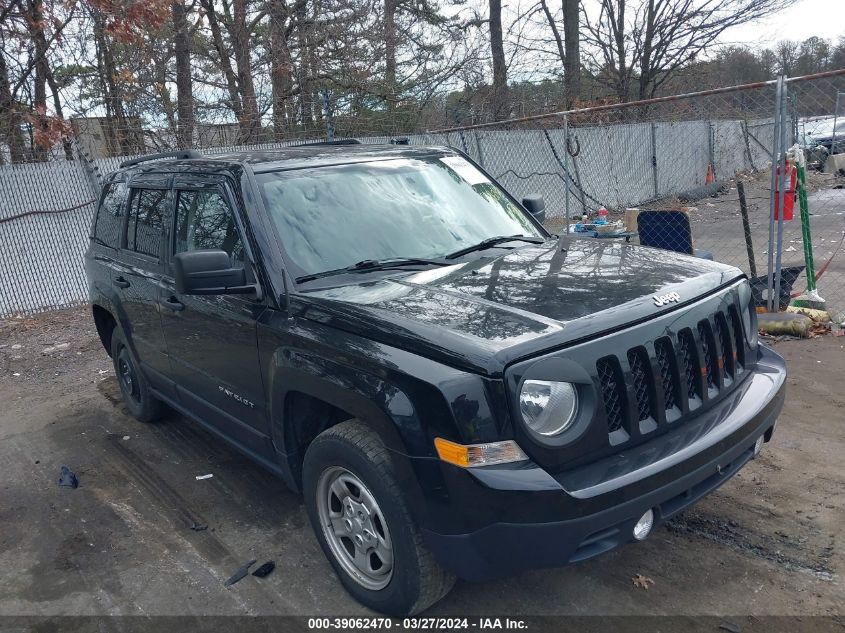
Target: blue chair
<point x="669" y="230"/>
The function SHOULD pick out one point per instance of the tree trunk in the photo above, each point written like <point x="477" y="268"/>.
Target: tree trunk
<point x="306" y="96"/>
<point x="10" y="123"/>
<point x="118" y="140"/>
<point x="280" y="68"/>
<point x="622" y="87"/>
<point x="390" y="53"/>
<point x="184" y="84"/>
<point x="646" y="70"/>
<point x="561" y="53"/>
<point x="224" y="61"/>
<point x="497" y="51"/>
<point x="40" y="148"/>
<point x="57" y="106"/>
<point x="250" y="124"/>
<point x="572" y="61"/>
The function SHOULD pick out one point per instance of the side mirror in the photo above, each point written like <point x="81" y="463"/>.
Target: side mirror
<point x="209" y="272"/>
<point x="536" y="206"/>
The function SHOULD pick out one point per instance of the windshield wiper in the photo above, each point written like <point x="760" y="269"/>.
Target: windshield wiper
<point x="368" y="265"/>
<point x="492" y="241"/>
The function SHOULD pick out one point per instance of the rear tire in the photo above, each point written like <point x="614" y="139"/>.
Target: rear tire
<point x="362" y="522"/>
<point x="133" y="384"/>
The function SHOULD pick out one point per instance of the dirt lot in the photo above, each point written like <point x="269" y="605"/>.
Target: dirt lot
<point x="768" y="543"/>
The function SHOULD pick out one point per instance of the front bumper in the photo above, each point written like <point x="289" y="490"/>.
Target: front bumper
<point x="526" y="518"/>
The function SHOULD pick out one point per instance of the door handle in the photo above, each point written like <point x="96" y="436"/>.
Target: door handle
<point x="173" y="304"/>
<point x="120" y="282"/>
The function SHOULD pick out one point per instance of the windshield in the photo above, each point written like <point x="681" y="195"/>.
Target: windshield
<point x="332" y="217"/>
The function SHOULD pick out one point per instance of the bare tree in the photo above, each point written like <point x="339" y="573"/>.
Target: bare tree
<point x="184" y="85"/>
<point x="497" y="52"/>
<point x="572" y="60"/>
<point x="637" y="45"/>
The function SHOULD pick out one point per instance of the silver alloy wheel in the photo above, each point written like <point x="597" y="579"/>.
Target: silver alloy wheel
<point x="126" y="374"/>
<point x="355" y="528"/>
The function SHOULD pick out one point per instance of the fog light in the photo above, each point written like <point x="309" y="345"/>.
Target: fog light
<point x="644" y="525"/>
<point x="758" y="445"/>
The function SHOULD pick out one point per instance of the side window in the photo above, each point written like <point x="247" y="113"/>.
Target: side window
<point x="146" y="221"/>
<point x="110" y="214"/>
<point x="203" y="221"/>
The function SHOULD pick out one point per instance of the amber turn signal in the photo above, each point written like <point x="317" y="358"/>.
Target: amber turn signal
<point x="469" y="455"/>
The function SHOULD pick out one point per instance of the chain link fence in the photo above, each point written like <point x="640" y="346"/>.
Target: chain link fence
<point x="707" y="156"/>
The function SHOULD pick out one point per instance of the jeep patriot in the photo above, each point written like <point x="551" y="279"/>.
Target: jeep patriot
<point x="454" y="391"/>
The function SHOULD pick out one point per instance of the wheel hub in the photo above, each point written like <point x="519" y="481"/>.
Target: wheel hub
<point x="355" y="528"/>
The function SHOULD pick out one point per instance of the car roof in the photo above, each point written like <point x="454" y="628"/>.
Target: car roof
<point x="294" y="157"/>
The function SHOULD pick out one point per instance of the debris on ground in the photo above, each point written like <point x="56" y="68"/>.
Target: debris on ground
<point x="265" y="570"/>
<point x="208" y="476"/>
<point x="199" y="527"/>
<point x="125" y="437"/>
<point x="730" y="626"/>
<point x="240" y="574"/>
<point x="814" y="314"/>
<point x="67" y="478"/>
<point x="784" y="323"/>
<point x="642" y="582"/>
<point x="55" y="348"/>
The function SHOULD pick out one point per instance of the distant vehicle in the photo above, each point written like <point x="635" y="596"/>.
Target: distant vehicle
<point x="828" y="133"/>
<point x="455" y="391"/>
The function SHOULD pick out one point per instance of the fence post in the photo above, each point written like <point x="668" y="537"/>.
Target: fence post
<point x="784" y="123"/>
<point x="92" y="172"/>
<point x="654" y="159"/>
<point x="744" y="125"/>
<point x="711" y="147"/>
<point x="778" y="185"/>
<point x="565" y="175"/>
<point x="478" y="147"/>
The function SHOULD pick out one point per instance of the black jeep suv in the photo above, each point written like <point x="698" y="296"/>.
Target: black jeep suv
<point x="455" y="391"/>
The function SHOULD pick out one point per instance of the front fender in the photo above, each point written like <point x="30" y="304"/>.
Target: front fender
<point x="407" y="399"/>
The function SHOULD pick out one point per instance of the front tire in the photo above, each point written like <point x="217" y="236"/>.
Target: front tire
<point x="363" y="524"/>
<point x="133" y="384"/>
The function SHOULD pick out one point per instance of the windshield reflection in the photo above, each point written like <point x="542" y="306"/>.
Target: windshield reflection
<point x="333" y="217"/>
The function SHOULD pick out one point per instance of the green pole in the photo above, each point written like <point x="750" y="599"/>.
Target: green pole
<point x="805" y="228"/>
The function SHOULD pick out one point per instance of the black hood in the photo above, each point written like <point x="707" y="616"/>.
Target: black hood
<point x="486" y="313"/>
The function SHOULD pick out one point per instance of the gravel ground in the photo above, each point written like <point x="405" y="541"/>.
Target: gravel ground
<point x="767" y="543"/>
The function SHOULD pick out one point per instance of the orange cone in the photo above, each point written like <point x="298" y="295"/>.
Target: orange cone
<point x="710" y="178"/>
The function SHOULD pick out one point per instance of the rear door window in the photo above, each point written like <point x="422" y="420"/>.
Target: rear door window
<point x="110" y="214"/>
<point x="204" y="220"/>
<point x="146" y="221"/>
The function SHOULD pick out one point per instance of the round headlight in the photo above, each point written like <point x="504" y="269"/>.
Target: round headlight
<point x="547" y="406"/>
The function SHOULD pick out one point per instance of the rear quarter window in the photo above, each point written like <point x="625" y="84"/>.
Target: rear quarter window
<point x="110" y="214"/>
<point x="146" y="221"/>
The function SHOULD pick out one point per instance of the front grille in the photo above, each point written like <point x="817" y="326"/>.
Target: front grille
<point x="640" y="376"/>
<point x="612" y="391"/>
<point x="739" y="343"/>
<point x="670" y="375"/>
<point x="725" y="344"/>
<point x="666" y="363"/>
<point x="689" y="358"/>
<point x="711" y="369"/>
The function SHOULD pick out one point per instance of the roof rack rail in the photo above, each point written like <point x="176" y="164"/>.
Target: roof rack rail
<point x="343" y="141"/>
<point x="182" y="153"/>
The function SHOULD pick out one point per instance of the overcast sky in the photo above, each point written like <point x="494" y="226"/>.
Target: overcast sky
<point x="823" y="18"/>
